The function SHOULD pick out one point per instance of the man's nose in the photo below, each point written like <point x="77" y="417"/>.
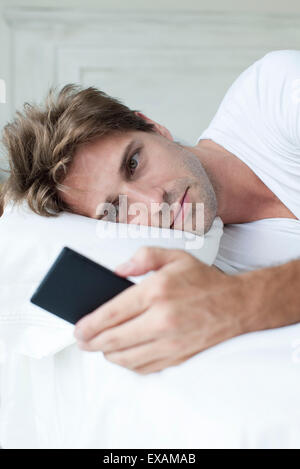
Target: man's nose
<point x="146" y="195"/>
<point x="150" y="198"/>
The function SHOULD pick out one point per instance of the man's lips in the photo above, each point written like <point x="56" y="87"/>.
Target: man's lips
<point x="180" y="208"/>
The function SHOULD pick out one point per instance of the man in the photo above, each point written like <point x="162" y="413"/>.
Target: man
<point x="85" y="149"/>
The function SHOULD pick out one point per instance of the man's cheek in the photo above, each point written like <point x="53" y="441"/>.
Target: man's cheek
<point x="138" y="214"/>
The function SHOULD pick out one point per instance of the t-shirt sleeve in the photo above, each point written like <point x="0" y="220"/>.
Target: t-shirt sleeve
<point x="279" y="93"/>
<point x="259" y="122"/>
<point x="263" y="101"/>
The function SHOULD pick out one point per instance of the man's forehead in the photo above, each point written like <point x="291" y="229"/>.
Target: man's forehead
<point x="98" y="153"/>
<point x="93" y="159"/>
<point x="93" y="172"/>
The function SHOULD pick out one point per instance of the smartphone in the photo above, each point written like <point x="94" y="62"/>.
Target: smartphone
<point x="75" y="286"/>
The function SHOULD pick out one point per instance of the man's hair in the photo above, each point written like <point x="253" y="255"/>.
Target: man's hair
<point x="41" y="141"/>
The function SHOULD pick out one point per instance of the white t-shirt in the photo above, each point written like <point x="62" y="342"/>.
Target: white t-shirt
<point x="259" y="122"/>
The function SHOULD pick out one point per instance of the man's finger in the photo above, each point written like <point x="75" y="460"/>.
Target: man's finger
<point x="147" y="259"/>
<point x="138" y="330"/>
<point x="122" y="307"/>
<point x="157" y="365"/>
<point x="140" y="356"/>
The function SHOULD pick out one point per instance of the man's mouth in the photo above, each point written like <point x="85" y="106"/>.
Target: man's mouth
<point x="181" y="202"/>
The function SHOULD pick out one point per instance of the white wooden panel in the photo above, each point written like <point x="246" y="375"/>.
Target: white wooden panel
<point x="171" y="86"/>
<point x="173" y="66"/>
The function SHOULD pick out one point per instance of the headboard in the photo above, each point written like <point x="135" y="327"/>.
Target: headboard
<point x="174" y="66"/>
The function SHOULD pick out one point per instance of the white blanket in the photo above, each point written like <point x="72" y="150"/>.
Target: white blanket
<point x="244" y="393"/>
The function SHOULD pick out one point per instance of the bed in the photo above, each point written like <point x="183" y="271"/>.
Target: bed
<point x="243" y="393"/>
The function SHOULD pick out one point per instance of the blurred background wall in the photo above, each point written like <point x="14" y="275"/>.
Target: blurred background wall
<point x="171" y="59"/>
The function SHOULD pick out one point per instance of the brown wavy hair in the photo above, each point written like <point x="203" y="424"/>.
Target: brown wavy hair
<point x="41" y="141"/>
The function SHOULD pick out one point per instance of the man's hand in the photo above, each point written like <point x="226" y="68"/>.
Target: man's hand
<point x="182" y="309"/>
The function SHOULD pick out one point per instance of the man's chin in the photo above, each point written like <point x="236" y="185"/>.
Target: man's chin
<point x="192" y="227"/>
<point x="190" y="218"/>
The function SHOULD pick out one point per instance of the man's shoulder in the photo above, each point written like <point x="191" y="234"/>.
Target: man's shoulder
<point x="265" y="83"/>
<point x="261" y="97"/>
<point x="281" y="63"/>
<point x="281" y="57"/>
<point x="272" y="67"/>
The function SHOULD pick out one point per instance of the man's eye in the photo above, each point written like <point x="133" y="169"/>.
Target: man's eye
<point x="133" y="163"/>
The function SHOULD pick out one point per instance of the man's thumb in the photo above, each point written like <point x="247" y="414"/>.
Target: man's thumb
<point x="147" y="259"/>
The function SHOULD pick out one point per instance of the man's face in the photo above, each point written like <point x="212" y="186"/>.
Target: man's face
<point x="149" y="170"/>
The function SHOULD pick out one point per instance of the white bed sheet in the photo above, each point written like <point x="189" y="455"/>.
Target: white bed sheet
<point x="244" y="393"/>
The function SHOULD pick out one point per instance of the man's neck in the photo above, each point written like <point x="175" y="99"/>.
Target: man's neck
<point x="242" y="197"/>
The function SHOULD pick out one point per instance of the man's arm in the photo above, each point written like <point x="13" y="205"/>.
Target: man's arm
<point x="185" y="308"/>
<point x="271" y="296"/>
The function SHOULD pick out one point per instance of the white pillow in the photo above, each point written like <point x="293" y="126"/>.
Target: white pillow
<point x="29" y="245"/>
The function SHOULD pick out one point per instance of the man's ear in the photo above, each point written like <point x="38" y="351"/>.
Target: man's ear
<point x="158" y="128"/>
